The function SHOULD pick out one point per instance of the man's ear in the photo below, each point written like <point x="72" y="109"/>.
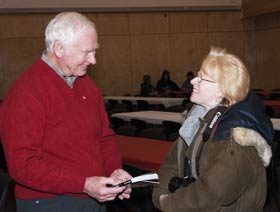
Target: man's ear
<point x="58" y="49"/>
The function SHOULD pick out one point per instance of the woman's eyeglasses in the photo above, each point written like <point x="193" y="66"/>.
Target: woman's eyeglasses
<point x="200" y="79"/>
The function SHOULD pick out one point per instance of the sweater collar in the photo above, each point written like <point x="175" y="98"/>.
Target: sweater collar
<point x="68" y="79"/>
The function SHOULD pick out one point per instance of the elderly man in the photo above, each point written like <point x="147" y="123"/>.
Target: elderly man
<point x="58" y="144"/>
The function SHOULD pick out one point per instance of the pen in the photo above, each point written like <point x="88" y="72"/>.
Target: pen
<point x="125" y="183"/>
<point x="121" y="184"/>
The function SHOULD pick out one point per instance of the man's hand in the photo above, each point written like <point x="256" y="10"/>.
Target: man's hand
<point x="119" y="176"/>
<point x="97" y="187"/>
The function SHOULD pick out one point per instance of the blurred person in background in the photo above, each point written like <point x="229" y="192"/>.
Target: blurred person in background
<point x="165" y="85"/>
<point x="187" y="83"/>
<point x="147" y="89"/>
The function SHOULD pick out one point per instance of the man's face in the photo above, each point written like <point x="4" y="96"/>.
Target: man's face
<point x="77" y="57"/>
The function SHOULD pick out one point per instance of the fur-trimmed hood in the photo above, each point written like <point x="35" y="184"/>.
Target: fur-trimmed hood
<point x="249" y="125"/>
<point x="248" y="137"/>
<point x="249" y="114"/>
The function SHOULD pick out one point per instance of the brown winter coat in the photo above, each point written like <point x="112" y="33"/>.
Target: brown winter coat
<point x="232" y="175"/>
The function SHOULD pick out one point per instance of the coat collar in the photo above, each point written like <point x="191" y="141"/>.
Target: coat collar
<point x="248" y="137"/>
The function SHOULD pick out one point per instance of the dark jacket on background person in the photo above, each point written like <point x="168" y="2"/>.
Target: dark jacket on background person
<point x="232" y="176"/>
<point x="147" y="89"/>
<point x="165" y="84"/>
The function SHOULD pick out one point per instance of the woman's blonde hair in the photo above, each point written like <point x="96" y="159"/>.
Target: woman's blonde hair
<point x="229" y="72"/>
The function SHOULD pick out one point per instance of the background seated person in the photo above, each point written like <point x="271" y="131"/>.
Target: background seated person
<point x="187" y="84"/>
<point x="147" y="89"/>
<point x="165" y="85"/>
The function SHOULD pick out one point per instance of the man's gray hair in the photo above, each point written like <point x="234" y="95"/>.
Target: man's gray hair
<point x="66" y="28"/>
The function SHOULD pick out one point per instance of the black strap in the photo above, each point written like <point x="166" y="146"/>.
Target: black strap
<point x="209" y="131"/>
<point x="212" y="124"/>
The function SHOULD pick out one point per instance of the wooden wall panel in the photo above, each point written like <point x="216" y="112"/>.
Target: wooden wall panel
<point x="268" y="61"/>
<point x="15" y="56"/>
<point x="250" y="56"/>
<point x="25" y="50"/>
<point x="111" y="24"/>
<point x="148" y="23"/>
<point x="224" y="21"/>
<point x="187" y="52"/>
<point x="188" y="22"/>
<point x="253" y="8"/>
<point x="112" y="72"/>
<point x="233" y="42"/>
<point x="133" y="44"/>
<point x="149" y="55"/>
<point x="267" y="22"/>
<point x="14" y="26"/>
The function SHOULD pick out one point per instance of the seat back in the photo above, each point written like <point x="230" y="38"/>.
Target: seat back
<point x="129" y="105"/>
<point x="142" y="105"/>
<point x="4" y="185"/>
<point x="113" y="103"/>
<point x="269" y="111"/>
<point x="171" y="129"/>
<point x="275" y="95"/>
<point x="259" y="92"/>
<point x="3" y="163"/>
<point x="116" y="122"/>
<point x="140" y="126"/>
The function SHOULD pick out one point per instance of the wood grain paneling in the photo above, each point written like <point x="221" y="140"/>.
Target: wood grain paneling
<point x="268" y="61"/>
<point x="250" y="56"/>
<point x="134" y="44"/>
<point x="148" y="23"/>
<point x="253" y="8"/>
<point x="233" y="42"/>
<point x="224" y="21"/>
<point x="149" y="55"/>
<point x="112" y="72"/>
<point x="15" y="56"/>
<point x="111" y="24"/>
<point x="187" y="52"/>
<point x="188" y="22"/>
<point x="24" y="26"/>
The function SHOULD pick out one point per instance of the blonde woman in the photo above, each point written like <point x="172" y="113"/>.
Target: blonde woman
<point x="218" y="163"/>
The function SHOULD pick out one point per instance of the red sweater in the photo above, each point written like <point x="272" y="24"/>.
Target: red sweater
<point x="55" y="136"/>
